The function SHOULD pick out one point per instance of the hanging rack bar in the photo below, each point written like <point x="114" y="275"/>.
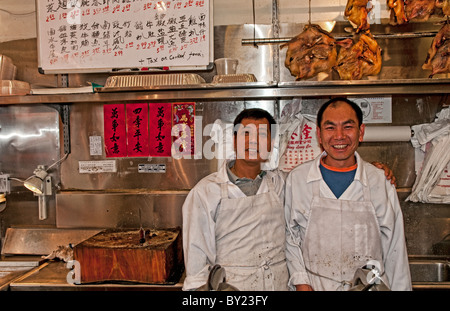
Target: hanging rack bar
<point x="376" y="36"/>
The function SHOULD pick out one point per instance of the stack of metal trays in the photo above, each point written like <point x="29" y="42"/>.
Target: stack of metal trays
<point x="234" y="78"/>
<point x="143" y="82"/>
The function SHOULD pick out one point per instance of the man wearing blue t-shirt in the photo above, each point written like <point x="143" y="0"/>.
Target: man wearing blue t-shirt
<point x="341" y="212"/>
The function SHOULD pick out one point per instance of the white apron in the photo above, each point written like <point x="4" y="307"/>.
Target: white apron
<point x="340" y="237"/>
<point x="250" y="240"/>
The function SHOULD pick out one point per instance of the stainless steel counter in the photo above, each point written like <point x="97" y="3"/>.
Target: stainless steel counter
<point x="11" y="268"/>
<point x="51" y="276"/>
<point x="430" y="272"/>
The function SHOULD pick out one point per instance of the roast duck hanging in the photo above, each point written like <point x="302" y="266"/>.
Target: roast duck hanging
<point x="358" y="57"/>
<point x="444" y="5"/>
<point x="311" y="52"/>
<point x="356" y="11"/>
<point x="397" y="11"/>
<point x="403" y="11"/>
<point x="438" y="57"/>
<point x="420" y="10"/>
<point x="315" y="50"/>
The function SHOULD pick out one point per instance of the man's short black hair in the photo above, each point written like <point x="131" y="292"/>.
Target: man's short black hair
<point x="255" y="114"/>
<point x="352" y="104"/>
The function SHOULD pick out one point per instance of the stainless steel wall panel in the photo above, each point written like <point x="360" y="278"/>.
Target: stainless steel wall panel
<point x="252" y="59"/>
<point x="119" y="210"/>
<point x="29" y="136"/>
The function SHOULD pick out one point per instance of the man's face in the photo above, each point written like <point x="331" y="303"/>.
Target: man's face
<point x="339" y="134"/>
<point x="252" y="141"/>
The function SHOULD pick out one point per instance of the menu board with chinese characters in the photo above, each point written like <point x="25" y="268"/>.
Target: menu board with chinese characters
<point x="113" y="35"/>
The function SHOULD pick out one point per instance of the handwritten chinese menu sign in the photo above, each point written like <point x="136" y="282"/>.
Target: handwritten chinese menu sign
<point x="142" y="130"/>
<point x="80" y="35"/>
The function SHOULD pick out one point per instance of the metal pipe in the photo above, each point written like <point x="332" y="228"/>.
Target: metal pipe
<point x="42" y="198"/>
<point x="376" y="36"/>
<point x="42" y="206"/>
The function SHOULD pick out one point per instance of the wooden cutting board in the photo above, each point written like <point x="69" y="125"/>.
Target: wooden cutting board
<point x="118" y="255"/>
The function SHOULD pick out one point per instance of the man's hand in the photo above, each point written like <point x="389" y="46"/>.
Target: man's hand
<point x="303" y="288"/>
<point x="387" y="172"/>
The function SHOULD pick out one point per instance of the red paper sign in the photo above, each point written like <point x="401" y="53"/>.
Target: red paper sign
<point x="115" y="130"/>
<point x="160" y="127"/>
<point x="137" y="130"/>
<point x="183" y="123"/>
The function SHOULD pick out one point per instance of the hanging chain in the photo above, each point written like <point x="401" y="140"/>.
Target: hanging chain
<point x="309" y="12"/>
<point x="254" y="23"/>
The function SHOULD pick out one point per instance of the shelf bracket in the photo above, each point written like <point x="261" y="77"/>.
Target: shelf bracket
<point x="64" y="113"/>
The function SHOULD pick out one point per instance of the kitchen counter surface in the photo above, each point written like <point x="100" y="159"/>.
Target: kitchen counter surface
<point x="52" y="275"/>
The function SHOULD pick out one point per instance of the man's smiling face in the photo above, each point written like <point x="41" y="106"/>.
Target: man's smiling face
<point x="340" y="134"/>
<point x="253" y="140"/>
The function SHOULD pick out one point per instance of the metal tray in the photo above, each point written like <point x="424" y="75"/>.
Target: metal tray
<point x="42" y="241"/>
<point x="234" y="78"/>
<point x="128" y="81"/>
<point x="203" y="86"/>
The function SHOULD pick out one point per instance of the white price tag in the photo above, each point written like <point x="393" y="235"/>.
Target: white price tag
<point x="94" y="167"/>
<point x="375" y="109"/>
<point x="95" y="145"/>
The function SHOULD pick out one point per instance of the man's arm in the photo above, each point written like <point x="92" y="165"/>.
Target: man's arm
<point x="387" y="172"/>
<point x="298" y="276"/>
<point x="394" y="247"/>
<point x="390" y="219"/>
<point x="199" y="244"/>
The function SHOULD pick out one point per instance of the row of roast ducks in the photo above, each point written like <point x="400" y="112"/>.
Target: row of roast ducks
<point x="315" y="51"/>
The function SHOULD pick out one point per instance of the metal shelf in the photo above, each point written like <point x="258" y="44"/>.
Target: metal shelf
<point x="239" y="91"/>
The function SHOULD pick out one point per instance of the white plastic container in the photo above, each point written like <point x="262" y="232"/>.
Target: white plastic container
<point x="226" y="66"/>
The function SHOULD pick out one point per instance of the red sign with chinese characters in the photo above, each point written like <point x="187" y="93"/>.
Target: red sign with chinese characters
<point x="141" y="130"/>
<point x="160" y="127"/>
<point x="115" y="130"/>
<point x="183" y="123"/>
<point x="137" y="130"/>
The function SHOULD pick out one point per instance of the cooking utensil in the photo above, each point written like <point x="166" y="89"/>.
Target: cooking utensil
<point x="368" y="278"/>
<point x="141" y="229"/>
<point x="217" y="281"/>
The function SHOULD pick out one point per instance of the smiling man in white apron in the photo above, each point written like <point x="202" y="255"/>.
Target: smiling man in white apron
<point x="341" y="212"/>
<point x="235" y="217"/>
